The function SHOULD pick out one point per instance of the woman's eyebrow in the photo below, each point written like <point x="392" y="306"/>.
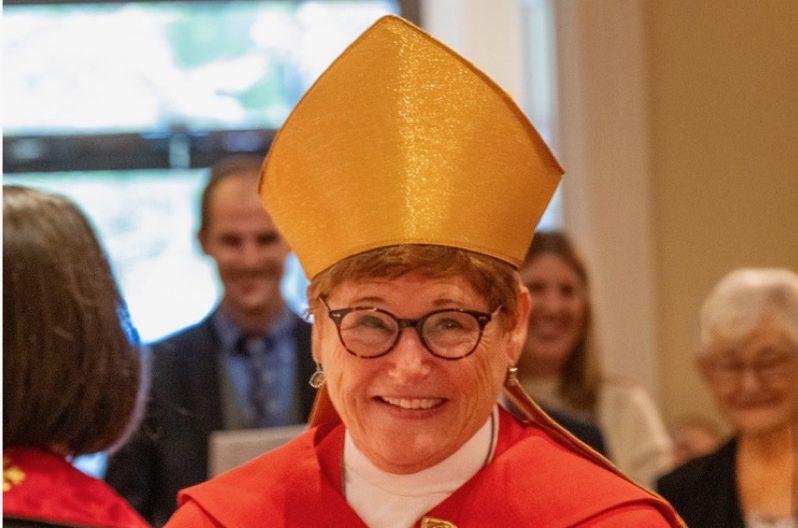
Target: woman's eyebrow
<point x="366" y="299"/>
<point x="446" y="301"/>
<point x="371" y="299"/>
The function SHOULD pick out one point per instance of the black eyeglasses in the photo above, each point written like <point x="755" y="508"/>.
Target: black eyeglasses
<point x="450" y="333"/>
<point x="768" y="368"/>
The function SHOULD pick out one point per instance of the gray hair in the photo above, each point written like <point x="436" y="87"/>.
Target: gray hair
<point x="745" y="298"/>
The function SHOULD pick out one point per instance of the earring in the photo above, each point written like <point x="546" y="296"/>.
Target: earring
<point x="317" y="378"/>
<point x="512" y="377"/>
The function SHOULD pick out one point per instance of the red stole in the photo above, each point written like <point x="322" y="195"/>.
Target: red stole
<point x="38" y="485"/>
<point x="532" y="480"/>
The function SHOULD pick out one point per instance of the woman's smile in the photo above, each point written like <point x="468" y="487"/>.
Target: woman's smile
<point x="412" y="403"/>
<point x="409" y="409"/>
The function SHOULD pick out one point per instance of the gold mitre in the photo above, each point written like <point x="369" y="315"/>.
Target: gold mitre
<point x="402" y="141"/>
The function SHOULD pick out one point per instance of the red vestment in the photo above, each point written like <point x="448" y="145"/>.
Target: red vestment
<point x="532" y="480"/>
<point x="42" y="486"/>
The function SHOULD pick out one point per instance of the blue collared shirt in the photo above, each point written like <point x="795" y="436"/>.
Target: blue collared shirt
<point x="273" y="356"/>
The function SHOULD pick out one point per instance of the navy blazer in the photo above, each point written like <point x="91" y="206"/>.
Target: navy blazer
<point x="169" y="452"/>
<point x="704" y="490"/>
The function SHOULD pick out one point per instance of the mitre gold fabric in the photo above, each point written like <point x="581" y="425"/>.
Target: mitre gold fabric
<point x="402" y="141"/>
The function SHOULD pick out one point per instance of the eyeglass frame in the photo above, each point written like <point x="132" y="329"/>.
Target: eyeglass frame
<point x="482" y="319"/>
<point x="757" y="367"/>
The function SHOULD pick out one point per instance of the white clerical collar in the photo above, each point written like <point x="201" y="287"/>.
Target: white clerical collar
<point x="375" y="494"/>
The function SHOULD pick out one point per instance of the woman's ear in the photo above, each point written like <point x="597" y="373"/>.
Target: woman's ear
<point x="520" y="326"/>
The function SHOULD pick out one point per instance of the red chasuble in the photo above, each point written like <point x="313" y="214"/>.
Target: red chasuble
<point x="41" y="486"/>
<point x="532" y="481"/>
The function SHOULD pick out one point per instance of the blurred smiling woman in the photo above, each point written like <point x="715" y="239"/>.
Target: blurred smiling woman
<point x="749" y="359"/>
<point x="409" y="184"/>
<point x="560" y="369"/>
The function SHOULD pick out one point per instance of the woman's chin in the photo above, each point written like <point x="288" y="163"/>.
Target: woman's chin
<point x="761" y="422"/>
<point x="405" y="452"/>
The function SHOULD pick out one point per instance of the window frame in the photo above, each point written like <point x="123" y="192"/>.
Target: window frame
<point x="177" y="148"/>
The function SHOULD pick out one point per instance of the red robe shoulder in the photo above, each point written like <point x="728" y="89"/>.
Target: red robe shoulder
<point x="41" y="486"/>
<point x="532" y="481"/>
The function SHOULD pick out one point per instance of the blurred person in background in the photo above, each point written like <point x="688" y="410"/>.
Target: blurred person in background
<point x="749" y="359"/>
<point x="73" y="374"/>
<point x="694" y="435"/>
<point x="245" y="366"/>
<point x="559" y="366"/>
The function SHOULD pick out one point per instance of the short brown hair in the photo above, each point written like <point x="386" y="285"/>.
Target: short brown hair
<point x="236" y="164"/>
<point x="493" y="279"/>
<point x="71" y="374"/>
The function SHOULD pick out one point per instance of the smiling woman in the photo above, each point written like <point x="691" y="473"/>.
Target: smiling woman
<point x="385" y="181"/>
<point x="749" y="359"/>
<point x="389" y="399"/>
<point x="559" y="366"/>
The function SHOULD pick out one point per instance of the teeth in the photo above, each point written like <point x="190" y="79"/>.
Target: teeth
<point x="548" y="328"/>
<point x="548" y="325"/>
<point x="416" y="403"/>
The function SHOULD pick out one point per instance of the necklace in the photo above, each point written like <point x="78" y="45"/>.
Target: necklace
<point x="492" y="444"/>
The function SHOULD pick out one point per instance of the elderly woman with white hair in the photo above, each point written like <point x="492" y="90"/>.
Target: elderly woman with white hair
<point x="749" y="359"/>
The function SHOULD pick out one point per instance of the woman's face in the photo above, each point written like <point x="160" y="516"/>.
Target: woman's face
<point x="557" y="314"/>
<point x="754" y="379"/>
<point x="408" y="410"/>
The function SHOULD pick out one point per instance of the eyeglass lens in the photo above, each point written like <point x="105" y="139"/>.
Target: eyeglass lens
<point x="450" y="334"/>
<point x="768" y="368"/>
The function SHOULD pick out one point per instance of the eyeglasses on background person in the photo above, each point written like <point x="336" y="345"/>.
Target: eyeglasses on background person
<point x="769" y="368"/>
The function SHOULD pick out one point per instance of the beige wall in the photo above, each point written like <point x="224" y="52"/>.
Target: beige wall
<point x="603" y="145"/>
<point x="679" y="125"/>
<point x="487" y="32"/>
<point x="604" y="197"/>
<point x="679" y="135"/>
<point x="723" y="114"/>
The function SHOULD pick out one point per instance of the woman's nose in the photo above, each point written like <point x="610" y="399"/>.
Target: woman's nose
<point x="549" y="302"/>
<point x="750" y="379"/>
<point x="410" y="359"/>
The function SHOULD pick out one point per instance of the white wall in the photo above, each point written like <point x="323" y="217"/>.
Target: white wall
<point x="486" y="32"/>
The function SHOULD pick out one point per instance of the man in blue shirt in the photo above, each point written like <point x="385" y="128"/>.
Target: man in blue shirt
<point x="245" y="366"/>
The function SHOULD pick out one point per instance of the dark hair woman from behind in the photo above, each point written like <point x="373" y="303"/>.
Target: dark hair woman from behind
<point x="72" y="371"/>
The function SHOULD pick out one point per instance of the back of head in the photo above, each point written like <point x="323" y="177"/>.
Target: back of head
<point x="746" y="298"/>
<point x="70" y="372"/>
